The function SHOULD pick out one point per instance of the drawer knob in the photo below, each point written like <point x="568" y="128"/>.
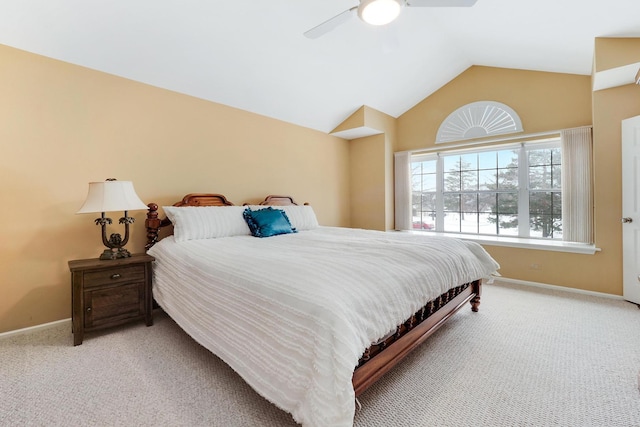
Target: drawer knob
<point x="115" y="276"/>
<point x="88" y="308"/>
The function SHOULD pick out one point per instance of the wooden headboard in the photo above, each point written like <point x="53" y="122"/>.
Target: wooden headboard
<point x="204" y="199"/>
<point x="154" y="224"/>
<point x="279" y="201"/>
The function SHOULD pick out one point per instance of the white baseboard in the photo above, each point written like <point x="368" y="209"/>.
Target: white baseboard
<point x="559" y="288"/>
<point x="35" y="328"/>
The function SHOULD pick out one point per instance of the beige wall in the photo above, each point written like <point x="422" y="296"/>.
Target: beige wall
<point x="387" y="124"/>
<point x="371" y="165"/>
<point x="613" y="52"/>
<point x="610" y="107"/>
<point x="62" y="126"/>
<point x="367" y="182"/>
<point x="544" y="102"/>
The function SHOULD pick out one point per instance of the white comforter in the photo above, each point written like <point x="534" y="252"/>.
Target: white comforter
<point x="292" y="314"/>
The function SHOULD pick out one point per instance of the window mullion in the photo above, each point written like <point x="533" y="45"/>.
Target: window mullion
<point x="523" y="193"/>
<point x="440" y="194"/>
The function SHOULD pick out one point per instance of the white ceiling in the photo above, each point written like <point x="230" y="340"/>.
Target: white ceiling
<point x="251" y="54"/>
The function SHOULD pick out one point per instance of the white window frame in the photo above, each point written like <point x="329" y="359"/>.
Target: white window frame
<point x="523" y="187"/>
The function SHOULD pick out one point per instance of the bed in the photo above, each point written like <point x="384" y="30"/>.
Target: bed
<point x="313" y="317"/>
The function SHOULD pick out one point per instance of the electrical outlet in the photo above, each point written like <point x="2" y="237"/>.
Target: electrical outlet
<point x="535" y="266"/>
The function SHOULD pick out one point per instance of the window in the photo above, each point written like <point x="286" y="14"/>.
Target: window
<point x="479" y="119"/>
<point x="511" y="190"/>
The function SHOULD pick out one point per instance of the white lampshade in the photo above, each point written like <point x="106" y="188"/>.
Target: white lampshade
<point x="379" y="12"/>
<point x="109" y="196"/>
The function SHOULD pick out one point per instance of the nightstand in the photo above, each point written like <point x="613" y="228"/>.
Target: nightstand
<point x="106" y="293"/>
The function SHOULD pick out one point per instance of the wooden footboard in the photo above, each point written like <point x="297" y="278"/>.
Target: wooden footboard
<point x="413" y="333"/>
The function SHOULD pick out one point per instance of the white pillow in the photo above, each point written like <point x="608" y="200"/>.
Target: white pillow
<point x="300" y="217"/>
<point x="206" y="222"/>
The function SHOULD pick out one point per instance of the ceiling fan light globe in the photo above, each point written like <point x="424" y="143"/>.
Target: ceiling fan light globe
<point x="379" y="12"/>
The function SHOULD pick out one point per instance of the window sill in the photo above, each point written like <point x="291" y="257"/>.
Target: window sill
<point x="517" y="242"/>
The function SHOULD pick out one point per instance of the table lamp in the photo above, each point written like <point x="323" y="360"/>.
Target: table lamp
<point x="112" y="195"/>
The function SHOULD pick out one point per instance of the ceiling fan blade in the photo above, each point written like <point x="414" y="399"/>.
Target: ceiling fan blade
<point x="330" y="24"/>
<point x="441" y="3"/>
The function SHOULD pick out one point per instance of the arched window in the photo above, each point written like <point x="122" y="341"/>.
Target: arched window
<point x="477" y="120"/>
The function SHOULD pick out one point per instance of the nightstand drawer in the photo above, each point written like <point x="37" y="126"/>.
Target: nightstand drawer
<point x="123" y="274"/>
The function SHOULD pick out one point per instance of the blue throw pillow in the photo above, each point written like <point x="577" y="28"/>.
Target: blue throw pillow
<point x="267" y="222"/>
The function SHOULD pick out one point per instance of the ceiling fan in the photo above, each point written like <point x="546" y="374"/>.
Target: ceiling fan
<point x="380" y="12"/>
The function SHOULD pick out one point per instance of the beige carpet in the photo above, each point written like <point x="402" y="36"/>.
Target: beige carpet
<point x="530" y="357"/>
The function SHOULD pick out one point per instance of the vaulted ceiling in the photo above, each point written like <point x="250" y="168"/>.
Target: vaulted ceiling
<point x="252" y="54"/>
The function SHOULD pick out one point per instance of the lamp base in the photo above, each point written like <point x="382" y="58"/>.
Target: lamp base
<point x="115" y="254"/>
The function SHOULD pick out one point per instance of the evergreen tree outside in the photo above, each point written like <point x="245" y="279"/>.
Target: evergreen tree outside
<point x="545" y="196"/>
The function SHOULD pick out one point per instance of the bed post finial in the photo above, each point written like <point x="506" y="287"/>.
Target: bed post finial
<point x="153" y="224"/>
